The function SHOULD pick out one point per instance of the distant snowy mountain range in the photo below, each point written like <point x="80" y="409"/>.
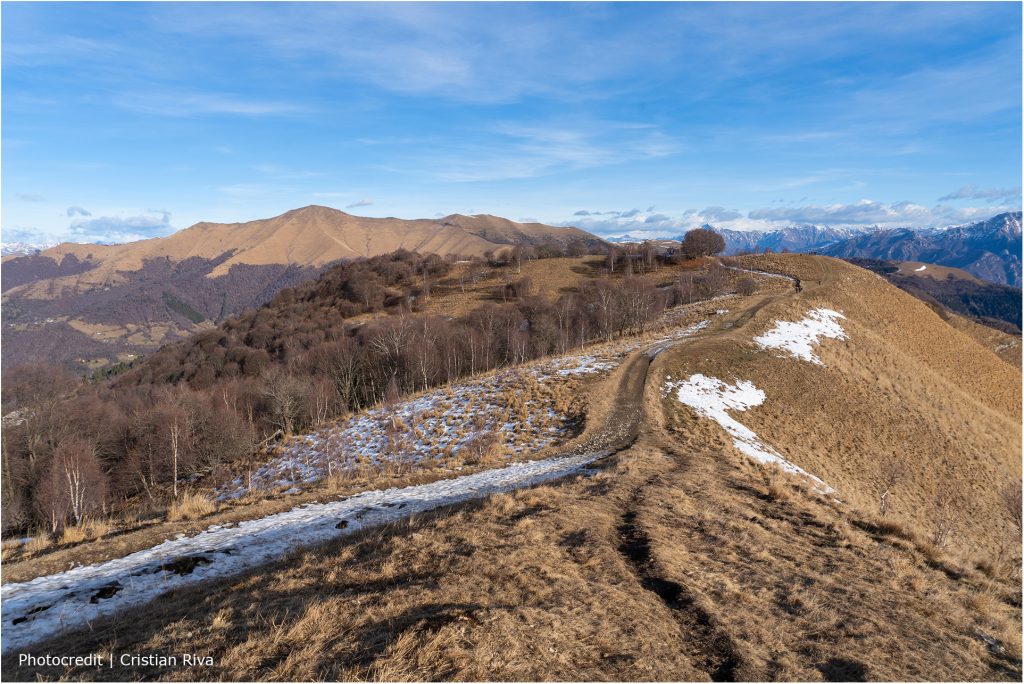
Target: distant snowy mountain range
<point x="24" y="248"/>
<point x="989" y="249"/>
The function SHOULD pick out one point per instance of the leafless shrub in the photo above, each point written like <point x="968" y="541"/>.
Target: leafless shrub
<point x="890" y="471"/>
<point x="479" y="447"/>
<point x="746" y="286"/>
<point x="945" y="516"/>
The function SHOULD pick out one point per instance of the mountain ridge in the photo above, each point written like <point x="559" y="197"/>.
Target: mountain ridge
<point x="90" y="303"/>
<point x="989" y="249"/>
<point x="315" y="235"/>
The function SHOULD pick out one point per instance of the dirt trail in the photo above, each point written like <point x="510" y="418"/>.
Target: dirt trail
<point x="616" y="423"/>
<point x="620" y="426"/>
<point x="708" y="647"/>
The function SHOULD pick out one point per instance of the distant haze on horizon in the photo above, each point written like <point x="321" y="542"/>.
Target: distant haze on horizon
<point x="124" y="121"/>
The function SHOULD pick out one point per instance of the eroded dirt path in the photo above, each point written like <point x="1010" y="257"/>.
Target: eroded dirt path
<point x="708" y="647"/>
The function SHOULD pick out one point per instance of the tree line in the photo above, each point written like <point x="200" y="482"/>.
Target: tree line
<point x="203" y="407"/>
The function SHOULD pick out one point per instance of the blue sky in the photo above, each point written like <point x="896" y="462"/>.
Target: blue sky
<point x="122" y="121"/>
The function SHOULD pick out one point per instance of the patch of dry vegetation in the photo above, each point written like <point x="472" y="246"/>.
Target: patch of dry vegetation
<point x="191" y="506"/>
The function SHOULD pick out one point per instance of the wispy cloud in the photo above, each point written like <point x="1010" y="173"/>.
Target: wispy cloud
<point x="189" y="104"/>
<point x="78" y="211"/>
<point x="528" y="150"/>
<point x="284" y="173"/>
<point x="360" y="203"/>
<point x="992" y="195"/>
<point x="423" y="50"/>
<point x="29" y="197"/>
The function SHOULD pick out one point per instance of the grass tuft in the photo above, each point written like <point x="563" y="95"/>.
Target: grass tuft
<point x="191" y="507"/>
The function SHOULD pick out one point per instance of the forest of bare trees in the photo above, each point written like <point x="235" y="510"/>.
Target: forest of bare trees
<point x="196" y="409"/>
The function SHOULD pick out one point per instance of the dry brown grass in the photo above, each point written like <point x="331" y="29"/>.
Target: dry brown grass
<point x="904" y="383"/>
<point x="677" y="562"/>
<point x="87" y="530"/>
<point x="551" y="278"/>
<point x="191" y="506"/>
<point x="38" y="543"/>
<point x="539" y="584"/>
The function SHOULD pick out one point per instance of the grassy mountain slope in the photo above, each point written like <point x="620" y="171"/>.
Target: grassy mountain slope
<point x="950" y="290"/>
<point x="312" y="236"/>
<point x="680" y="559"/>
<point x="60" y="299"/>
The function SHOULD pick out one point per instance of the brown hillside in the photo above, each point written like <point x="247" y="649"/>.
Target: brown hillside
<point x="934" y="271"/>
<point x="316" y="235"/>
<point x="677" y="559"/>
<point x="168" y="286"/>
<point x="905" y="385"/>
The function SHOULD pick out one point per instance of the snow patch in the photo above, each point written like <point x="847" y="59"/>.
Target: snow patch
<point x="798" y="339"/>
<point x="663" y="343"/>
<point x="43" y="607"/>
<point x="920" y="268"/>
<point x="713" y="398"/>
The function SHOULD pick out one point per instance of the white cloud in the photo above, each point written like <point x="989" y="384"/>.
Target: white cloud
<point x="116" y="229"/>
<point x="865" y="213"/>
<point x="78" y="211"/>
<point x="713" y="214"/>
<point x="29" y="197"/>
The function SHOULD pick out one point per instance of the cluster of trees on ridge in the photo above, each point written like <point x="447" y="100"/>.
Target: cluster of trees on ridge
<point x="74" y="450"/>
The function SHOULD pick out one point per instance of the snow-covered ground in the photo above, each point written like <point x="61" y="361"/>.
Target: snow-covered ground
<point x="522" y="408"/>
<point x="584" y="364"/>
<point x="920" y="268"/>
<point x="44" y="606"/>
<point x="798" y="338"/>
<point x="663" y="343"/>
<point x="714" y="398"/>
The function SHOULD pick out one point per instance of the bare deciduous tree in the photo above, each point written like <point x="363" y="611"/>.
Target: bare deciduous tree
<point x="890" y="471"/>
<point x="74" y="486"/>
<point x="284" y="394"/>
